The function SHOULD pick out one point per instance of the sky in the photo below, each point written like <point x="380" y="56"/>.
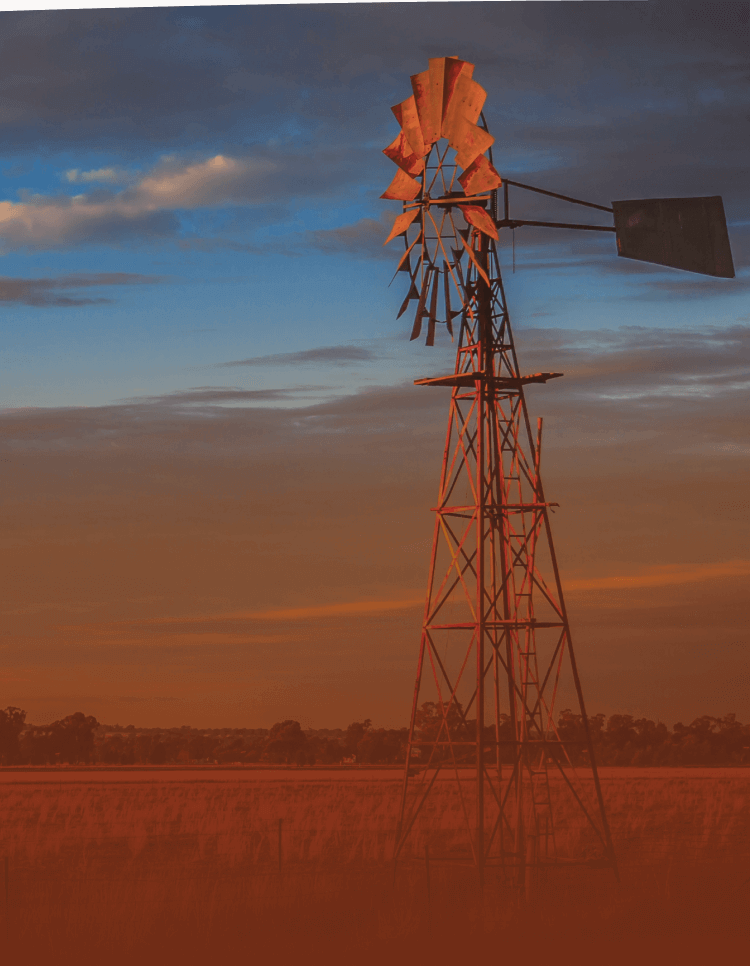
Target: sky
<point x="217" y="470"/>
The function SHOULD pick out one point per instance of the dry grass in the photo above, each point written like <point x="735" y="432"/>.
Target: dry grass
<point x="189" y="872"/>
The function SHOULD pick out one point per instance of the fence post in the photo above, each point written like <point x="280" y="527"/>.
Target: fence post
<point x="427" y="871"/>
<point x="280" y="823"/>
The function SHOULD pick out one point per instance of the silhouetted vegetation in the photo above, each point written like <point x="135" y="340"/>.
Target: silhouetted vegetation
<point x="618" y="740"/>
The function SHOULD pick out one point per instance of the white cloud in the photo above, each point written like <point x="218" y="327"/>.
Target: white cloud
<point x="145" y="208"/>
<point x="213" y="182"/>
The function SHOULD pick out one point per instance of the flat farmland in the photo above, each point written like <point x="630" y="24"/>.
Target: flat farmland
<point x="145" y="862"/>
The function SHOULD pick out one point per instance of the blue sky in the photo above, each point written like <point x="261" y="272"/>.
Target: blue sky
<point x="206" y="398"/>
<point x="226" y="161"/>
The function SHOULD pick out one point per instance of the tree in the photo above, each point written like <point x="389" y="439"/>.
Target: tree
<point x="12" y="721"/>
<point x="74" y="737"/>
<point x="285" y="740"/>
<point x="157" y="753"/>
<point x="381" y="746"/>
<point x="355" y="733"/>
<point x="328" y="751"/>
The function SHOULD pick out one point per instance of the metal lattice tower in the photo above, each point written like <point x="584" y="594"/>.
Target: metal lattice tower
<point x="496" y="660"/>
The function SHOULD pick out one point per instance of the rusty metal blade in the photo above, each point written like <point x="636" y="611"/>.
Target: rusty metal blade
<point x="401" y="153"/>
<point x="429" y="118"/>
<point x="437" y="82"/>
<point x="460" y="274"/>
<point x="448" y="313"/>
<point x="404" y="265"/>
<point x="474" y="261"/>
<point x="416" y="330"/>
<point x="467" y="102"/>
<point x="434" y="299"/>
<point x="479" y="218"/>
<point x="403" y="221"/>
<point x="480" y="176"/>
<point x="407" y="116"/>
<point x="402" y="188"/>
<point x="433" y="308"/>
<point x="454" y="68"/>
<point x="470" y="141"/>
<point x="413" y="293"/>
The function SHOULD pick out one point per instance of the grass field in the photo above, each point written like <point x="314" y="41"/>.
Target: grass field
<point x="190" y="871"/>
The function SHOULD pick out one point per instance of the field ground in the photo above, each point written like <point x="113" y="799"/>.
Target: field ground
<point x="183" y="865"/>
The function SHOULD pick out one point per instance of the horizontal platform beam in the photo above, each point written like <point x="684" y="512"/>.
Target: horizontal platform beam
<point x="469" y="379"/>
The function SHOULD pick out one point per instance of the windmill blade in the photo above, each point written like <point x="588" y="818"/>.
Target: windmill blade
<point x="402" y="222"/>
<point x="401" y="153"/>
<point x="433" y="308"/>
<point x="459" y="272"/>
<point x="437" y="83"/>
<point x="479" y="218"/>
<point x="455" y="69"/>
<point x="408" y="118"/>
<point x="416" y="330"/>
<point x="474" y="261"/>
<point x="404" y="264"/>
<point x="447" y="296"/>
<point x="469" y="141"/>
<point x="429" y="112"/>
<point x="402" y="188"/>
<point x="466" y="102"/>
<point x="413" y="293"/>
<point x="480" y="176"/>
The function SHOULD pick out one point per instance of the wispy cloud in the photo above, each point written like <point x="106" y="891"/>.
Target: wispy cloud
<point x="203" y="396"/>
<point x="47" y="291"/>
<point x="344" y="609"/>
<point x="340" y="355"/>
<point x="663" y="576"/>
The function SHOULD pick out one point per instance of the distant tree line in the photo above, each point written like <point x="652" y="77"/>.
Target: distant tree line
<point x="618" y="740"/>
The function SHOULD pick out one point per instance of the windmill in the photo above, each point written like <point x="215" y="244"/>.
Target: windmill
<point x="496" y="661"/>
